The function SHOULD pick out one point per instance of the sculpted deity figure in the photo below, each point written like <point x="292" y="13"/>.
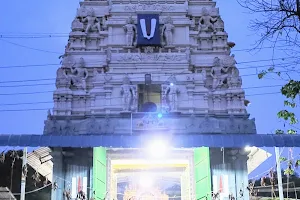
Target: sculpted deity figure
<point x="128" y="95"/>
<point x="77" y="25"/>
<point x="171" y="96"/>
<point x="79" y="75"/>
<point x="92" y="21"/>
<point x="130" y="30"/>
<point x="206" y="21"/>
<point x="62" y="79"/>
<point x="219" y="25"/>
<point x="219" y="73"/>
<point x="167" y="31"/>
<point x="235" y="79"/>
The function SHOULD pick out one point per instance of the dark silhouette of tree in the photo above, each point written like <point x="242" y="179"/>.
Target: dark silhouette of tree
<point x="5" y="180"/>
<point x="278" y="22"/>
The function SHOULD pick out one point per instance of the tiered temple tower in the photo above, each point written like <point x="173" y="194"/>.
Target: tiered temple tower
<point x="142" y="66"/>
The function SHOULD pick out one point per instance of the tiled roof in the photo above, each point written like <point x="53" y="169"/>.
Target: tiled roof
<point x="5" y="194"/>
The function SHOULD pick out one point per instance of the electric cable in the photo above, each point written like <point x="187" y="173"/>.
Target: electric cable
<point x="33" y="191"/>
<point x="67" y="35"/>
<point x="45" y="102"/>
<point x="46" y="51"/>
<point x="44" y="109"/>
<point x="100" y="62"/>
<point x="164" y="72"/>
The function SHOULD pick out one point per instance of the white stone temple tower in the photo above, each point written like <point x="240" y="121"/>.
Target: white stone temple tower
<point x="143" y="66"/>
<point x="189" y="73"/>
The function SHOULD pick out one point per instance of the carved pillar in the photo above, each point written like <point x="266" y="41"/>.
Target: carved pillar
<point x="55" y="107"/>
<point x="217" y="102"/>
<point x="92" y="42"/>
<point x="62" y="104"/>
<point x="93" y="98"/>
<point x="58" y="174"/>
<point x="108" y="97"/>
<point x="164" y="105"/>
<point x="242" y="105"/>
<point x="110" y="35"/>
<point x="205" y="42"/>
<point x="77" y="41"/>
<point x="219" y="41"/>
<point x="134" y="104"/>
<point x="190" y="91"/>
<point x="228" y="98"/>
<point x="69" y="104"/>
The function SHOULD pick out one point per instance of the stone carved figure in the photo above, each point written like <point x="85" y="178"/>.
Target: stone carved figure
<point x="68" y="127"/>
<point x="229" y="61"/>
<point x="77" y="25"/>
<point x="62" y="79"/>
<point x="128" y="95"/>
<point x="92" y="22"/>
<point x="79" y="75"/>
<point x="235" y="79"/>
<point x="130" y="30"/>
<point x="167" y="31"/>
<point x="68" y="61"/>
<point x="206" y="22"/>
<point x="171" y="95"/>
<point x="218" y="73"/>
<point x="82" y="12"/>
<point x="93" y="127"/>
<point x="219" y="25"/>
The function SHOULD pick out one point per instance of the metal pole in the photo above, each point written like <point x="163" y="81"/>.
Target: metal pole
<point x="23" y="177"/>
<point x="131" y="123"/>
<point x="279" y="177"/>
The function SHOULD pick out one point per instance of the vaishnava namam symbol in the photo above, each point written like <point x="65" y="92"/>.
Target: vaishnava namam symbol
<point x="144" y="29"/>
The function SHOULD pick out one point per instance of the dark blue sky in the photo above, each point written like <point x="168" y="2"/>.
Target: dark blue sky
<point x="33" y="18"/>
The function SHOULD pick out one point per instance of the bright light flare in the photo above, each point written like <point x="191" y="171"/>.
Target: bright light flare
<point x="158" y="148"/>
<point x="248" y="148"/>
<point x="146" y="181"/>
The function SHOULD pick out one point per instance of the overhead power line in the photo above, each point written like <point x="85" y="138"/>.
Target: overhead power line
<point x="52" y="79"/>
<point x="44" y="109"/>
<point x="47" y="51"/>
<point x="100" y="62"/>
<point x="45" y="102"/>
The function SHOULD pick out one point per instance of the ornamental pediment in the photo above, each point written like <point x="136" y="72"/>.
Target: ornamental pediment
<point x="158" y="7"/>
<point x="149" y="58"/>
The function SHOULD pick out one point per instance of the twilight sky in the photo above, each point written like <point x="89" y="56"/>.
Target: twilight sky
<point x="20" y="19"/>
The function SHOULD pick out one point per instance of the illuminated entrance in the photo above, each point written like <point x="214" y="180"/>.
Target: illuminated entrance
<point x="135" y="174"/>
